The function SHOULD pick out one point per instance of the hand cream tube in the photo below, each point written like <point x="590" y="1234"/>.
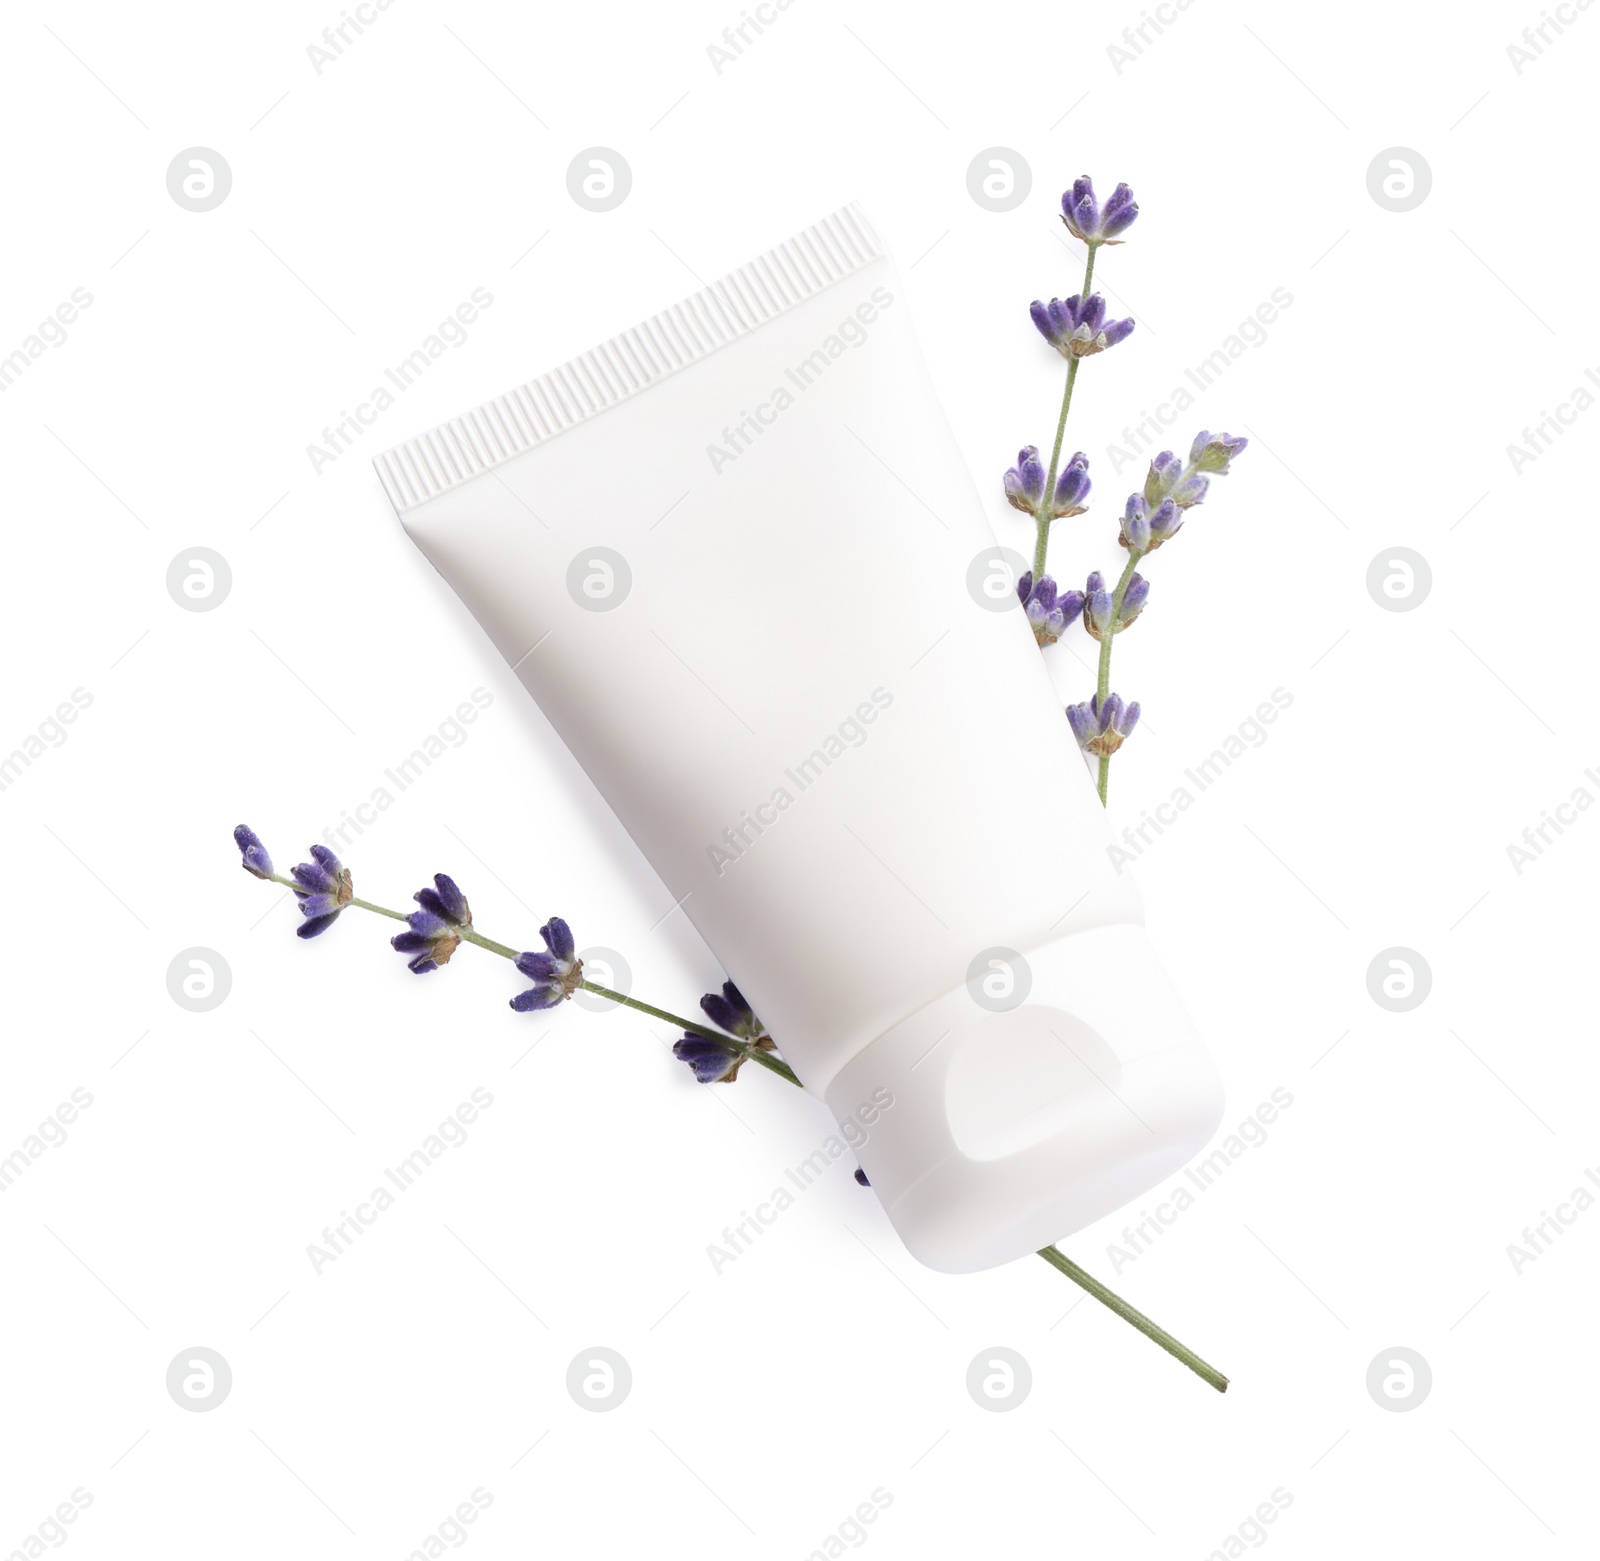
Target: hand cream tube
<point x="734" y="555"/>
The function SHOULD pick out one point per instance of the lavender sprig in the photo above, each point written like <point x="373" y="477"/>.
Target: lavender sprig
<point x="1152" y="516"/>
<point x="1078" y="328"/>
<point x="714" y="1055"/>
<point x="1085" y="219"/>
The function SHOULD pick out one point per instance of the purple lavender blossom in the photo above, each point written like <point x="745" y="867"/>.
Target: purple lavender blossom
<point x="1172" y="486"/>
<point x="1072" y="488"/>
<point x="1144" y="530"/>
<point x="555" y="971"/>
<point x="729" y="1011"/>
<point x="1024" y="484"/>
<point x="324" y="888"/>
<point x="1102" y="729"/>
<point x="1170" y="478"/>
<point x="715" y="1062"/>
<point x="1212" y="452"/>
<point x="1095" y="224"/>
<point x="1078" y="327"/>
<point x="253" y="855"/>
<point x="1098" y="600"/>
<point x="712" y="1062"/>
<point x="1049" y="611"/>
<point x="434" y="931"/>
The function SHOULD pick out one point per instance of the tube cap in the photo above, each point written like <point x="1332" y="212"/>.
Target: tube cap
<point x="1046" y="1093"/>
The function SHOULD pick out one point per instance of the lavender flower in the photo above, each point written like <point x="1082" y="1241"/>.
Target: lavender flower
<point x="1169" y="478"/>
<point x="1097" y="604"/>
<point x="1072" y="488"/>
<point x="1102" y="729"/>
<point x="715" y="1062"/>
<point x="435" y="930"/>
<point x="1088" y="220"/>
<point x="729" y="1011"/>
<point x="1049" y="612"/>
<point x="1078" y="327"/>
<point x="1144" y="530"/>
<point x="253" y="854"/>
<point x="555" y="972"/>
<point x="1172" y="486"/>
<point x="1212" y="452"/>
<point x="712" y="1062"/>
<point x="324" y="888"/>
<point x="1024" y="484"/>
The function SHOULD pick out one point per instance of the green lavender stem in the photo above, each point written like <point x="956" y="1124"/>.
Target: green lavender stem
<point x="1051" y="1255"/>
<point x="1041" y="537"/>
<point x="1103" y="686"/>
<point x="1058" y="1259"/>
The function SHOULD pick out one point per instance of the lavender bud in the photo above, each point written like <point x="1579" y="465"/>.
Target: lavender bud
<point x="713" y="1061"/>
<point x="1077" y="327"/>
<point x="1072" y="488"/>
<point x="1102" y="729"/>
<point x="1088" y="220"/>
<point x="323" y="887"/>
<point x="729" y="1011"/>
<point x="1024" y="483"/>
<point x="1098" y="603"/>
<point x="1049" y="612"/>
<point x="1135" y="535"/>
<point x="555" y="971"/>
<point x="1164" y="523"/>
<point x="1119" y="214"/>
<point x="1212" y="452"/>
<point x="1165" y="470"/>
<point x="434" y="931"/>
<point x="252" y="854"/>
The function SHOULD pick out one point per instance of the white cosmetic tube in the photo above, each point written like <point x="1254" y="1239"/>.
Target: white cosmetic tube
<point x="734" y="555"/>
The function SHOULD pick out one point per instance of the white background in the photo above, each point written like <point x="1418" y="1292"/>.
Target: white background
<point x="770" y="1400"/>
